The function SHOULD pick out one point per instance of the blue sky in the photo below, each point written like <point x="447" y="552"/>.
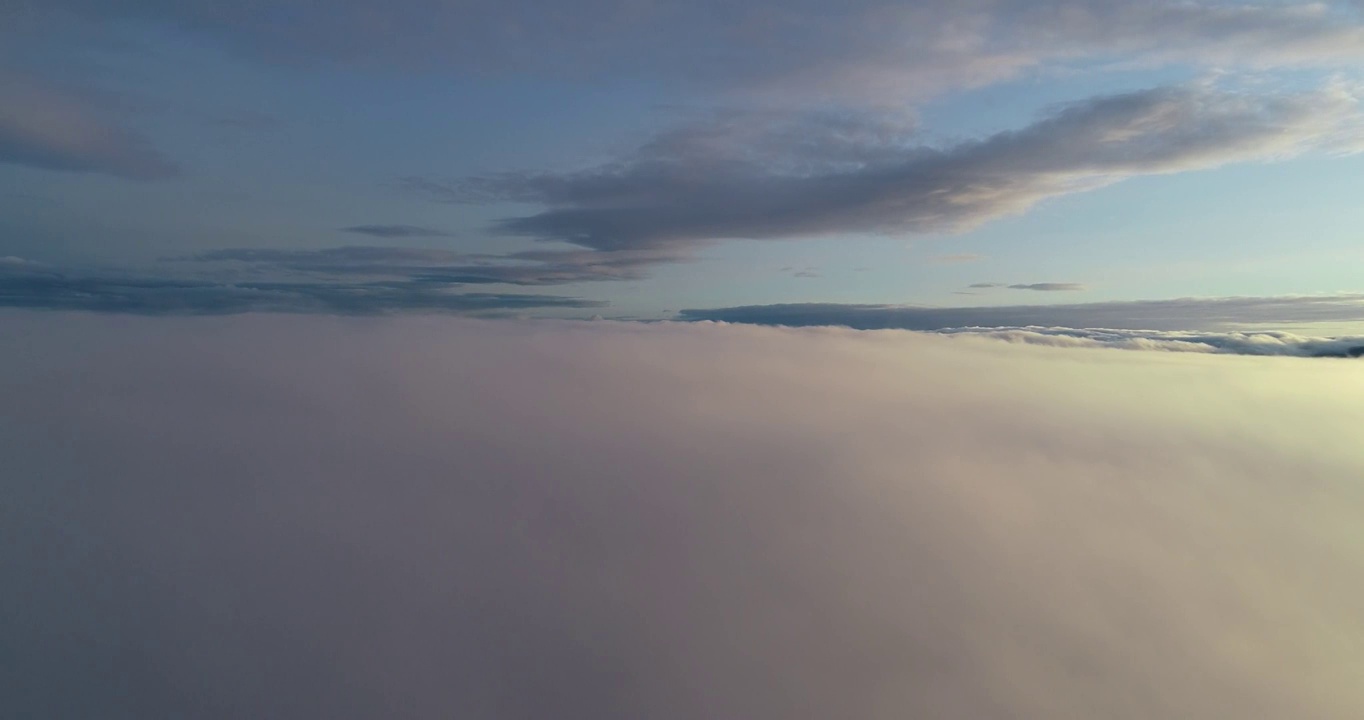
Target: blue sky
<point x="635" y="160"/>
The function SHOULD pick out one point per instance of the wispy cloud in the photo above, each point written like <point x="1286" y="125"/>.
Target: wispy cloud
<point x="808" y="272"/>
<point x="46" y="127"/>
<point x="678" y="192"/>
<point x="1040" y="287"/>
<point x="1049" y="287"/>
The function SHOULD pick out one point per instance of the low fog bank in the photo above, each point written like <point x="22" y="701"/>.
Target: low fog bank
<point x="307" y="517"/>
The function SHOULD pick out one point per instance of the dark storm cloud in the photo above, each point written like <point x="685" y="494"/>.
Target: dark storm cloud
<point x="420" y="518"/>
<point x="50" y="128"/>
<point x="397" y="231"/>
<point x="1178" y="314"/>
<point x="45" y="288"/>
<point x="731" y="180"/>
<point x="864" y="49"/>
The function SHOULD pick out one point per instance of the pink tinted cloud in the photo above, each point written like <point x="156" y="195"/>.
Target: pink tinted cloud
<point x="422" y="517"/>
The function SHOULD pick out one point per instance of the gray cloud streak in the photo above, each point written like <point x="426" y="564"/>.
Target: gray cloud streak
<point x="526" y="268"/>
<point x="41" y="287"/>
<point x="1048" y="287"/>
<point x="1040" y="287"/>
<point x="44" y="127"/>
<point x="1177" y="314"/>
<point x="700" y="184"/>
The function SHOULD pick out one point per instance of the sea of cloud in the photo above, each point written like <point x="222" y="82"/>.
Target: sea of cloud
<point x="1256" y="342"/>
<point x="418" y="517"/>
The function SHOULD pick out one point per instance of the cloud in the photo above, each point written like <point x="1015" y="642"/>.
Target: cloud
<point x="45" y="127"/>
<point x="397" y="231"/>
<point x="353" y="518"/>
<point x="1234" y="343"/>
<point x="1049" y="287"/>
<point x="108" y="292"/>
<point x="865" y="50"/>
<point x="696" y="185"/>
<point x="1040" y="287"/>
<point x="957" y="258"/>
<point x="808" y="272"/>
<point x="1177" y="314"/>
<point x="526" y="268"/>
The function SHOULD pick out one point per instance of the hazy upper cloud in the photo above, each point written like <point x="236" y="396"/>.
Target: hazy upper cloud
<point x="1178" y="314"/>
<point x="274" y="517"/>
<point x="862" y="49"/>
<point x="45" y="127"/>
<point x="698" y="184"/>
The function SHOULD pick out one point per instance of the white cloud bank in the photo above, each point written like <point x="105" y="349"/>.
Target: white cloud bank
<point x="305" y="517"/>
<point x="758" y="179"/>
<point x="1263" y="342"/>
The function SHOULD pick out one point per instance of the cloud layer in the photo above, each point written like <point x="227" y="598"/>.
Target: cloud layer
<point x="1177" y="314"/>
<point x="443" y="267"/>
<point x="279" y="517"/>
<point x="36" y="286"/>
<point x="368" y="280"/>
<point x="754" y="177"/>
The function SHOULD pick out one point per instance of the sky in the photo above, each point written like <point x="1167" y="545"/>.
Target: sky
<point x="619" y="359"/>
<point x="294" y="516"/>
<point x="669" y="160"/>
